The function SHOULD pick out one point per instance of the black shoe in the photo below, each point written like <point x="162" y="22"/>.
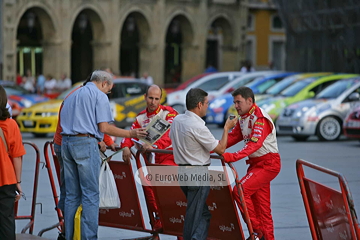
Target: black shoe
<point x="61" y="236"/>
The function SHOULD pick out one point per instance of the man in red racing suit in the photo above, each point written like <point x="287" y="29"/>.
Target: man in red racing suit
<point x="152" y="98"/>
<point x="257" y="130"/>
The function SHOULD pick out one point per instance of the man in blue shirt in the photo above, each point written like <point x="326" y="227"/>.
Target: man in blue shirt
<point x="85" y="117"/>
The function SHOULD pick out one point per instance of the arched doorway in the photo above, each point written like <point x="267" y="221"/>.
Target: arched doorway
<point x="129" y="50"/>
<point x="219" y="38"/>
<point x="29" y="48"/>
<point x="173" y="52"/>
<point x="81" y="48"/>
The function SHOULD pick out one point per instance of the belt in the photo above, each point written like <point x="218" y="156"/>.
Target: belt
<point x="80" y="135"/>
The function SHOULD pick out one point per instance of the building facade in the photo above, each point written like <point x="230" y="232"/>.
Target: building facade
<point x="322" y="35"/>
<point x="172" y="40"/>
<point x="265" y="40"/>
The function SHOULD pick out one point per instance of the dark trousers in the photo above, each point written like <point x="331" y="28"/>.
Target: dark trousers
<point x="197" y="218"/>
<point x="7" y="216"/>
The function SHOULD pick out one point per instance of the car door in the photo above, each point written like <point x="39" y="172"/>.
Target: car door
<point x="349" y="104"/>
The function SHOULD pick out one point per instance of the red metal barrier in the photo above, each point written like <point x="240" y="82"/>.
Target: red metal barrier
<point x="31" y="217"/>
<point x="129" y="215"/>
<point x="331" y="213"/>
<point x="49" y="147"/>
<point x="224" y="223"/>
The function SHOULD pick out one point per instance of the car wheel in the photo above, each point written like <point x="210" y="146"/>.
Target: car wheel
<point x="179" y="108"/>
<point x="300" y="138"/>
<point x="40" y="135"/>
<point x="329" y="129"/>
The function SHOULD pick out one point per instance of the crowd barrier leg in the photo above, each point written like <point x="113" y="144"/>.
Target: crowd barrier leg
<point x="49" y="146"/>
<point x="30" y="226"/>
<point x="331" y="213"/>
<point x="172" y="207"/>
<point x="243" y="208"/>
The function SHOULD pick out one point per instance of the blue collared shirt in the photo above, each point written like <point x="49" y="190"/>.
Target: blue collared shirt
<point x="83" y="110"/>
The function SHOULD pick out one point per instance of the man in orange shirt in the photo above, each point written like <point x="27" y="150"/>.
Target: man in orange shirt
<point x="11" y="152"/>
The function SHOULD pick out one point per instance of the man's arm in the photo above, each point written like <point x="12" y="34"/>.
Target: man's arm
<point x="235" y="135"/>
<point x="127" y="143"/>
<point x="261" y="129"/>
<point x="221" y="147"/>
<point x="112" y="130"/>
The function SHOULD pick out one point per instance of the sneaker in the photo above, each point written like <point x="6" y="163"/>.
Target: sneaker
<point x="257" y="236"/>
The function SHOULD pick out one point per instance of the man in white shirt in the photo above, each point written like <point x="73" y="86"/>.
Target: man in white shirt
<point x="9" y="109"/>
<point x="63" y="83"/>
<point x="147" y="79"/>
<point x="50" y="85"/>
<point x="192" y="143"/>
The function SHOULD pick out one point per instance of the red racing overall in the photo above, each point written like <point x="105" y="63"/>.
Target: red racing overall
<point x="258" y="132"/>
<point x="142" y="120"/>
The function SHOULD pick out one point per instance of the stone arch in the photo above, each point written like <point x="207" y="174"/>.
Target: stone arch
<point x="46" y="17"/>
<point x="225" y="26"/>
<point x="186" y="25"/>
<point x="179" y="42"/>
<point x="96" y="21"/>
<point x="135" y="35"/>
<point x="220" y="41"/>
<point x="44" y="28"/>
<point x="89" y="52"/>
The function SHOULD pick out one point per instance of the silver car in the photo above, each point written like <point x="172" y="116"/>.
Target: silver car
<point x="323" y="115"/>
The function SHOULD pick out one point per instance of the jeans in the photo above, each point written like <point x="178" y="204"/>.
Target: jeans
<point x="57" y="149"/>
<point x="81" y="171"/>
<point x="7" y="217"/>
<point x="197" y="218"/>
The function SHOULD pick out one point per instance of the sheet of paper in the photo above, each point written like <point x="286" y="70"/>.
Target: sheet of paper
<point x="155" y="129"/>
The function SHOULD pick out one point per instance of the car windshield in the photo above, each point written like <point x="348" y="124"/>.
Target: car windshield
<point x="244" y="81"/>
<point x="127" y="89"/>
<point x="335" y="90"/>
<point x="277" y="88"/>
<point x="260" y="86"/>
<point x="214" y="84"/>
<point x="15" y="90"/>
<point x="296" y="87"/>
<point x="190" y="81"/>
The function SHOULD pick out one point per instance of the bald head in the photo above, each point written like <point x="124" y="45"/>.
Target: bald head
<point x="152" y="97"/>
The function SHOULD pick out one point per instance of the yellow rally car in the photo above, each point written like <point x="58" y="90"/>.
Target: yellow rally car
<point x="126" y="101"/>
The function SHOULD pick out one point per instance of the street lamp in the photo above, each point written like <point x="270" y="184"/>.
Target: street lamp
<point x="82" y="22"/>
<point x="130" y="24"/>
<point x="175" y="27"/>
<point x="30" y="20"/>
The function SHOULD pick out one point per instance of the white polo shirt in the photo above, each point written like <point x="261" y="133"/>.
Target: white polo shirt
<point x="192" y="141"/>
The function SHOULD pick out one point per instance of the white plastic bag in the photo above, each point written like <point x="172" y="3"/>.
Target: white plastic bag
<point x="109" y="196"/>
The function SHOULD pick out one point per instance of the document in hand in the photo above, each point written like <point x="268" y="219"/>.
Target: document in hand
<point x="155" y="129"/>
